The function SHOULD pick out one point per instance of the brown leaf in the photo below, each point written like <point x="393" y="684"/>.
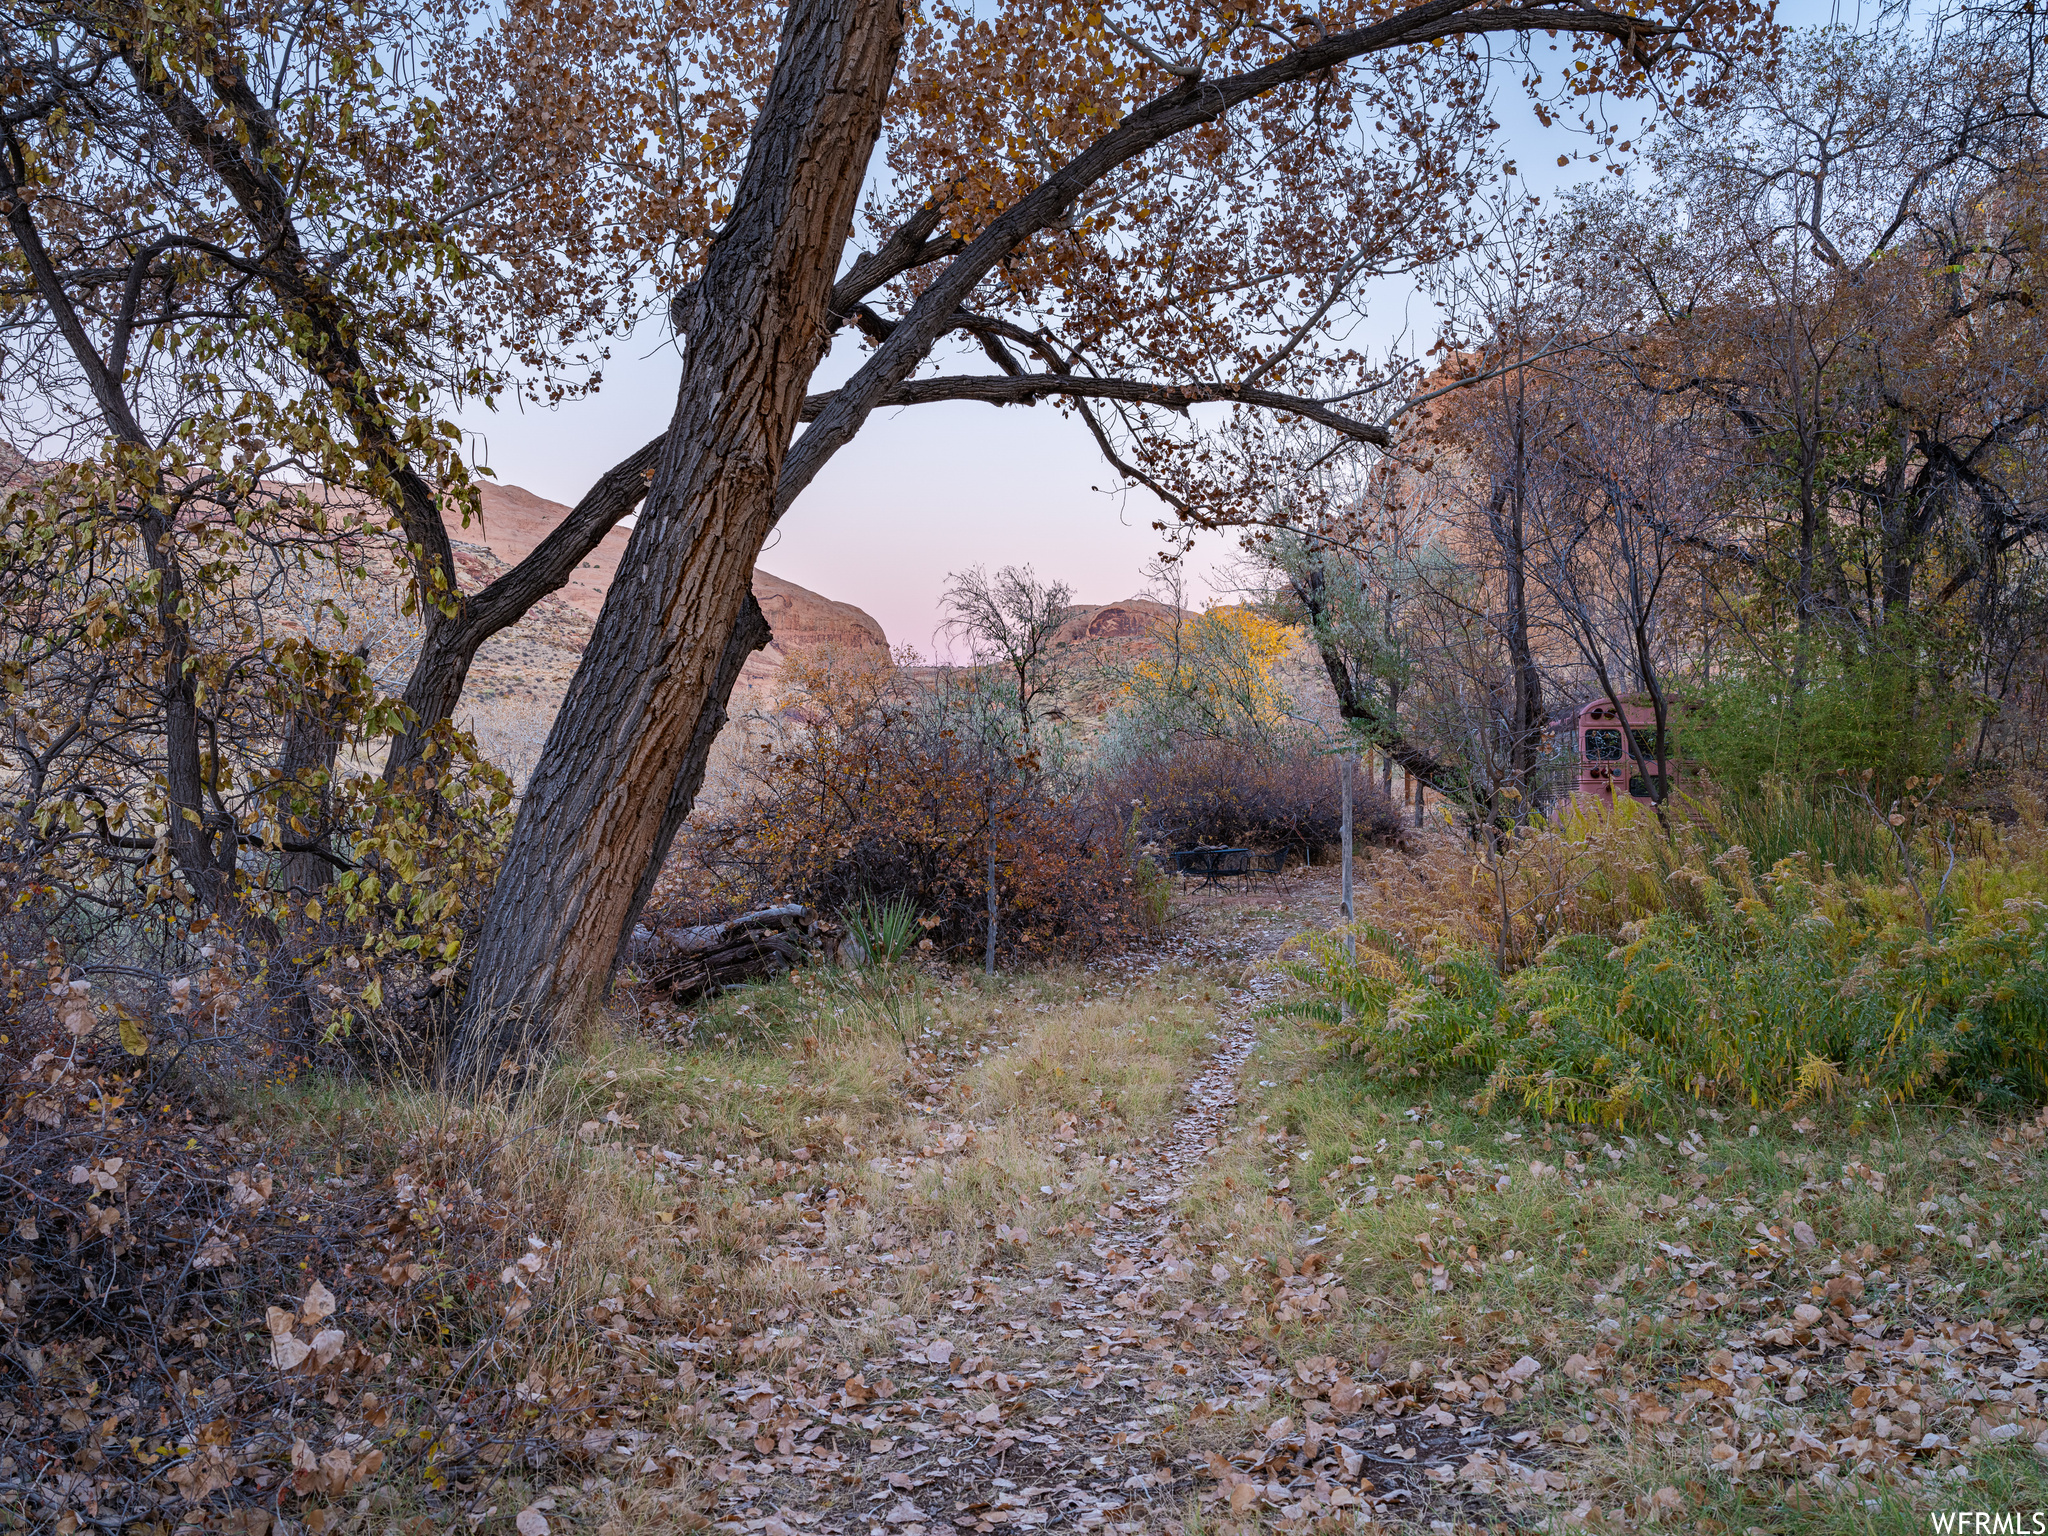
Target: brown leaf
<point x="318" y="1303"/>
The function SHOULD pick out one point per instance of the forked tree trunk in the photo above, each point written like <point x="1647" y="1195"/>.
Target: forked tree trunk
<point x="619" y="761"/>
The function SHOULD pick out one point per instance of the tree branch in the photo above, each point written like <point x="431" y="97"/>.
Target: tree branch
<point x="105" y="386"/>
<point x="1188" y="106"/>
<point x="909" y="247"/>
<point x="1026" y="388"/>
<point x="554" y="559"/>
<point x="1124" y="467"/>
<point x="329" y="348"/>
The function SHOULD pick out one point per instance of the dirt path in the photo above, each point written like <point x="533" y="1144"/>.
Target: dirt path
<point x="1085" y="1401"/>
<point x="1105" y="1383"/>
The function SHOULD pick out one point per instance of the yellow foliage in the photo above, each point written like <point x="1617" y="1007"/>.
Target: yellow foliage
<point x="1220" y="673"/>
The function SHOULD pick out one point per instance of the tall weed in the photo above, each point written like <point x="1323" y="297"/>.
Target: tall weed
<point x="1887" y="705"/>
<point x="1777" y="989"/>
<point x="1779" y="819"/>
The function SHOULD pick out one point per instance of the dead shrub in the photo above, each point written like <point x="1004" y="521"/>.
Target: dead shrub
<point x="1281" y="798"/>
<point x="879" y="787"/>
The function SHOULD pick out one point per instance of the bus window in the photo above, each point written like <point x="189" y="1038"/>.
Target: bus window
<point x="1646" y="741"/>
<point x="1639" y="787"/>
<point x="1604" y="745"/>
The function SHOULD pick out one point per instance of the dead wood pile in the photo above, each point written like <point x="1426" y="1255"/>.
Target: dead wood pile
<point x="689" y="962"/>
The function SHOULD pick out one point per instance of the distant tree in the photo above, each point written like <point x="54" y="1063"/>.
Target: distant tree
<point x="1619" y="510"/>
<point x="1213" y="676"/>
<point x="1008" y="621"/>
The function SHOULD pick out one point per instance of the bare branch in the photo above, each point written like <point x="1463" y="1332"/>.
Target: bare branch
<point x="1184" y="108"/>
<point x="1028" y="388"/>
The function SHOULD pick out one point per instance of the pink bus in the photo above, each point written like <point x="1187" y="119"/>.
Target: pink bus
<point x="1605" y="761"/>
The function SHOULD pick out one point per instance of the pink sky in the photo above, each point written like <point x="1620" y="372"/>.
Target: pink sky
<point x="920" y="493"/>
<point x="926" y="491"/>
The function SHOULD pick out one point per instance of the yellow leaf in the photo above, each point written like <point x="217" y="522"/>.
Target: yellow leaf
<point x="133" y="1040"/>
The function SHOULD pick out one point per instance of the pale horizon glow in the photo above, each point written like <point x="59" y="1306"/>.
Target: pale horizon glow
<point x="920" y="493"/>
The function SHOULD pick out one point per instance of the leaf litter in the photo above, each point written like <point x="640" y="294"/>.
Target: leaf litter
<point x="1122" y="1370"/>
<point x="1103" y="1357"/>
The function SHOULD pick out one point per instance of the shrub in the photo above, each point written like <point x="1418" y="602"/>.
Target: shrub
<point x="879" y="788"/>
<point x="1893" y="709"/>
<point x="1406" y="1017"/>
<point x="202" y="1225"/>
<point x="1588" y="870"/>
<point x="1592" y="867"/>
<point x="1771" y="992"/>
<point x="1233" y="794"/>
<point x="1776" y="1000"/>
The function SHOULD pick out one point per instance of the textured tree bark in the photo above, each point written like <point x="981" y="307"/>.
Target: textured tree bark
<point x="619" y="767"/>
<point x="748" y="635"/>
<point x="1525" y="748"/>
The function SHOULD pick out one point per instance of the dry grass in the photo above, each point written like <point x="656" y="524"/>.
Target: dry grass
<point x="679" y="1170"/>
<point x="793" y="1195"/>
<point x="1644" y="1256"/>
<point x="958" y="1159"/>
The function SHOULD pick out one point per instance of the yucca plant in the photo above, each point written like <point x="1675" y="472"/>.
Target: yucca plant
<point x="880" y="987"/>
<point x="885" y="930"/>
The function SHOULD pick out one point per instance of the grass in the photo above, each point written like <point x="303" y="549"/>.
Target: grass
<point x="682" y="1166"/>
<point x="1829" y="826"/>
<point x="1455" y="1253"/>
<point x="687" y="1188"/>
<point x="1464" y="1239"/>
<point x="795" y="1190"/>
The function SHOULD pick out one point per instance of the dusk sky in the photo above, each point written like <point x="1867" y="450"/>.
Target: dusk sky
<point x="929" y="490"/>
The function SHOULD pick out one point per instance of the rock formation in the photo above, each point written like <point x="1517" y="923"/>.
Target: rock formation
<point x="520" y="676"/>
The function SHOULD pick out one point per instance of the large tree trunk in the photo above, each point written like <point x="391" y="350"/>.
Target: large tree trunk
<point x="748" y="635"/>
<point x="618" y="762"/>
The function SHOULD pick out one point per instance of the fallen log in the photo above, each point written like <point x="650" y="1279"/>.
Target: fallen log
<point x="708" y="937"/>
<point x="754" y="946"/>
